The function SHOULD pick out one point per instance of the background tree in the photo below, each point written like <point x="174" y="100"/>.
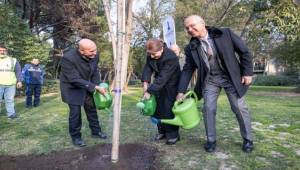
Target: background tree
<point x="15" y="34"/>
<point x="147" y="24"/>
<point x="64" y="22"/>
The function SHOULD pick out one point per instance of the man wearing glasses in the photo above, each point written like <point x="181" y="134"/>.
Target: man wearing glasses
<point x="212" y="52"/>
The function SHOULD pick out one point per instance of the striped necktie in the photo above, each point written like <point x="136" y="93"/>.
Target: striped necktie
<point x="207" y="48"/>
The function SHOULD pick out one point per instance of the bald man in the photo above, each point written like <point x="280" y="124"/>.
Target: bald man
<point x="175" y="49"/>
<point x="79" y="78"/>
<point x="212" y="52"/>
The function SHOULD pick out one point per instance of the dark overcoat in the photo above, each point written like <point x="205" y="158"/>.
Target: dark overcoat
<point x="166" y="71"/>
<point x="79" y="76"/>
<point x="227" y="45"/>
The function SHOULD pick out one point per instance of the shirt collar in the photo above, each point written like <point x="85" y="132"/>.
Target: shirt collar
<point x="205" y="38"/>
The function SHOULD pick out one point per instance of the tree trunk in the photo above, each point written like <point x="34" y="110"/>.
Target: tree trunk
<point x="128" y="28"/>
<point x="118" y="80"/>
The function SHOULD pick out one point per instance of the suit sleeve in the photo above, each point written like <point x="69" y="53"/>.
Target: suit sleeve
<point x="24" y="72"/>
<point x="147" y="72"/>
<point x="187" y="71"/>
<point x="72" y="75"/>
<point x="243" y="51"/>
<point x="164" y="75"/>
<point x="18" y="72"/>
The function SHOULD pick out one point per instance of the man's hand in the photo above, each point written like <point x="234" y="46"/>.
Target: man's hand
<point x="247" y="80"/>
<point x="179" y="96"/>
<point x="102" y="90"/>
<point x="146" y="95"/>
<point x="19" y="85"/>
<point x="145" y="86"/>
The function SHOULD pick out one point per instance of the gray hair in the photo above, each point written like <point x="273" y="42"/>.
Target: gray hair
<point x="196" y="18"/>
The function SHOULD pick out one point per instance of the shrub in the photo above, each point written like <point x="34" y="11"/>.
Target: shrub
<point x="50" y="86"/>
<point x="297" y="90"/>
<point x="280" y="80"/>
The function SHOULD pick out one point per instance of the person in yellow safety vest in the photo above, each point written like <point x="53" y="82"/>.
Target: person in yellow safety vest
<point x="10" y="76"/>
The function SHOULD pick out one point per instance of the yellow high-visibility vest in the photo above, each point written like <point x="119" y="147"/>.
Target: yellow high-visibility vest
<point x="7" y="71"/>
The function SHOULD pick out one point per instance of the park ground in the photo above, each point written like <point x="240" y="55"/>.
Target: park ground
<point x="275" y="115"/>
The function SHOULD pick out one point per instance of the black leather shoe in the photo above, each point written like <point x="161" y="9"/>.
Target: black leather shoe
<point x="100" y="135"/>
<point x="247" y="146"/>
<point x="210" y="146"/>
<point x="159" y="136"/>
<point x="78" y="142"/>
<point x="172" y="141"/>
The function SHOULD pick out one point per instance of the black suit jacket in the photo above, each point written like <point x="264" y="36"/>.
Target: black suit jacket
<point x="166" y="69"/>
<point x="227" y="45"/>
<point x="79" y="76"/>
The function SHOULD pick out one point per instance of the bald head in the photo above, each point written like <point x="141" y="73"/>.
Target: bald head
<point x="175" y="49"/>
<point x="195" y="26"/>
<point x="87" y="48"/>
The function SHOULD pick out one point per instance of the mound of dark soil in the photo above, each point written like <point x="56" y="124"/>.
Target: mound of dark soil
<point x="131" y="156"/>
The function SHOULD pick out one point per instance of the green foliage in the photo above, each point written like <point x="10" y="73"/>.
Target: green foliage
<point x="297" y="90"/>
<point x="102" y="40"/>
<point x="276" y="21"/>
<point x="286" y="19"/>
<point x="50" y="86"/>
<point x="16" y="35"/>
<point x="275" y="18"/>
<point x="221" y="13"/>
<point x="289" y="51"/>
<point x="138" y="59"/>
<point x="261" y="80"/>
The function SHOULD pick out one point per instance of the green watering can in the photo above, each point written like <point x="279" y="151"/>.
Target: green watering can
<point x="103" y="101"/>
<point x="185" y="111"/>
<point x="147" y="106"/>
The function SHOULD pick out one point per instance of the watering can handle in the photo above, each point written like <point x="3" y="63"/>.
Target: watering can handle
<point x="105" y="94"/>
<point x="189" y="93"/>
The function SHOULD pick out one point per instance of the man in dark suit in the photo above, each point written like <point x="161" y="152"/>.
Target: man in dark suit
<point x="78" y="80"/>
<point x="211" y="51"/>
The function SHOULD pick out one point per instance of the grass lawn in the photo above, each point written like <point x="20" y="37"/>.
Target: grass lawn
<point x="275" y="120"/>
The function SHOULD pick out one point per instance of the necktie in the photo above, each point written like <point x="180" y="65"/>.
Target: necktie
<point x="207" y="48"/>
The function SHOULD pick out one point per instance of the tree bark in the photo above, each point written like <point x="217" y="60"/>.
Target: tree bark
<point x="128" y="28"/>
<point x="118" y="80"/>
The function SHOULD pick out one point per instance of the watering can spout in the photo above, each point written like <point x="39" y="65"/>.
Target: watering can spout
<point x="175" y="121"/>
<point x="185" y="111"/>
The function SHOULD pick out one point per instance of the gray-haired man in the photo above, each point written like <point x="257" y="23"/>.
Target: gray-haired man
<point x="212" y="52"/>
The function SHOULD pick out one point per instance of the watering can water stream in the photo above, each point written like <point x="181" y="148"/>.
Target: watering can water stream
<point x="185" y="111"/>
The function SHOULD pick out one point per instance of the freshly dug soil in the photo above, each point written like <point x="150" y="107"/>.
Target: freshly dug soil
<point x="131" y="157"/>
